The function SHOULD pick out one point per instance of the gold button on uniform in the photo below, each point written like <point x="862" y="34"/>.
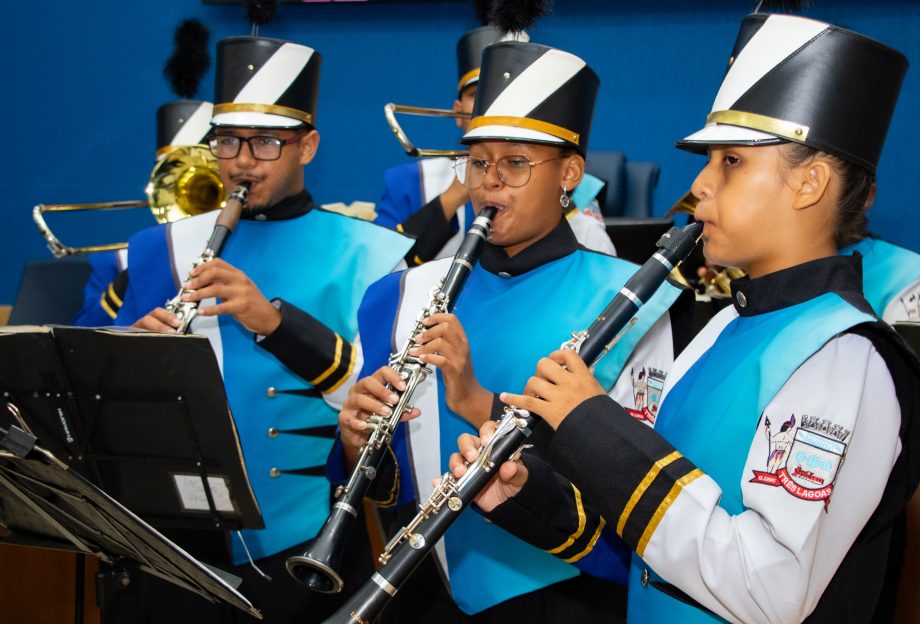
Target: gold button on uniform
<point x="274" y="472"/>
<point x="273" y="432"/>
<point x="644" y="578"/>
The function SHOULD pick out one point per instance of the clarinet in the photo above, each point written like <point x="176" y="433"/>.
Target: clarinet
<point x="413" y="543"/>
<point x="227" y="219"/>
<point x="317" y="567"/>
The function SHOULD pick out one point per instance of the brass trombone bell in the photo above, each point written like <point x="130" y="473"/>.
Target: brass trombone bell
<point x="184" y="183"/>
<point x="390" y="111"/>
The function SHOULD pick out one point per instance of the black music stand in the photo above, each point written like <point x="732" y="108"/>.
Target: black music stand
<point x="45" y="504"/>
<point x="141" y="415"/>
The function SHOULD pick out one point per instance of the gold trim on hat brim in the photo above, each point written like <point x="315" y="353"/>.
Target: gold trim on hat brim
<point x="468" y="78"/>
<point x="777" y="127"/>
<point x="272" y="109"/>
<point x="525" y="122"/>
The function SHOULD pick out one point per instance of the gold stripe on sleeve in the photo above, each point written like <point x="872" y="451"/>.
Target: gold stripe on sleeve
<point x="346" y="374"/>
<point x="664" y="506"/>
<point x="115" y="298"/>
<point x="105" y="306"/>
<point x="582" y="521"/>
<point x="640" y="489"/>
<point x="335" y="362"/>
<point x="590" y="546"/>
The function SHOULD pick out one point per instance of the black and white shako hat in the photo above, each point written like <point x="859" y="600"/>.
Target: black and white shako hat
<point x="795" y="79"/>
<point x="534" y="94"/>
<point x="265" y="83"/>
<point x="181" y="123"/>
<point x="470" y="48"/>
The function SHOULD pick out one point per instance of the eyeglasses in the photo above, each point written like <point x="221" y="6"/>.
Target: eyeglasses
<point x="266" y="147"/>
<point x="513" y="170"/>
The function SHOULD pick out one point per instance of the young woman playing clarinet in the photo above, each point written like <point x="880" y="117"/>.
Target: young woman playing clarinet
<point x="772" y="486"/>
<point x="532" y="286"/>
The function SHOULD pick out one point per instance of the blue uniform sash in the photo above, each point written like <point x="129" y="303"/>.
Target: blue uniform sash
<point x="887" y="270"/>
<point x="321" y="262"/>
<point x="150" y="261"/>
<point x="511" y="322"/>
<point x="711" y="413"/>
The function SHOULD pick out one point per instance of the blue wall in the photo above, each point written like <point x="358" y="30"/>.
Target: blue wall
<point x="86" y="80"/>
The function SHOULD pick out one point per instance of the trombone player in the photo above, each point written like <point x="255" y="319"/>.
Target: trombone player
<point x="425" y="199"/>
<point x="181" y="124"/>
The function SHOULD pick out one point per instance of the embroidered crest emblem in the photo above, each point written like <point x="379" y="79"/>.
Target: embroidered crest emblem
<point x="804" y="459"/>
<point x="911" y="303"/>
<point x="647" y="388"/>
<point x="591" y="213"/>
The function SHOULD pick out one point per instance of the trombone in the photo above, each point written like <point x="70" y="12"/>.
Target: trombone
<point x="390" y="111"/>
<point x="184" y="182"/>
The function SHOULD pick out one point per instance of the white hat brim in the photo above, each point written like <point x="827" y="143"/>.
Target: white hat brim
<point x="247" y="119"/>
<point x="724" y="134"/>
<point x="510" y="133"/>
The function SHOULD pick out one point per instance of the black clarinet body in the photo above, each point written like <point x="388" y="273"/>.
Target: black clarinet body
<point x="226" y="221"/>
<point x="452" y="496"/>
<point x="317" y="567"/>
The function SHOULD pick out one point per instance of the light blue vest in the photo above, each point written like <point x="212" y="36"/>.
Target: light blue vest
<point x="716" y="435"/>
<point x="511" y="322"/>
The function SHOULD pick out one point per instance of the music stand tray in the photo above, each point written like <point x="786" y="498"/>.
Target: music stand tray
<point x="45" y="504"/>
<point x="141" y="415"/>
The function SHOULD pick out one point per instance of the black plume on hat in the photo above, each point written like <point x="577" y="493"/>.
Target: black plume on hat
<point x="190" y="59"/>
<point x="514" y="16"/>
<point x="779" y="6"/>
<point x="260" y="12"/>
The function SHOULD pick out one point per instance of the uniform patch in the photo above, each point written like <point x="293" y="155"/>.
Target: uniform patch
<point x="647" y="387"/>
<point x="803" y="458"/>
<point x="911" y="303"/>
<point x="589" y="211"/>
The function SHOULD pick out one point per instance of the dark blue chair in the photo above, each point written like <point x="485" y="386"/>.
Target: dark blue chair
<point x="50" y="292"/>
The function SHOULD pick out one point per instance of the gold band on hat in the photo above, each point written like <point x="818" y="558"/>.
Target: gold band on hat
<point x="779" y="127"/>
<point x="272" y="109"/>
<point x="467" y="78"/>
<point x="530" y="124"/>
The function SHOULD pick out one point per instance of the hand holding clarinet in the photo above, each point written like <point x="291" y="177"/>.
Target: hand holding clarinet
<point x="561" y="383"/>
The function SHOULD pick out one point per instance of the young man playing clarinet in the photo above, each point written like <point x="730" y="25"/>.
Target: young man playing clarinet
<point x="282" y="359"/>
